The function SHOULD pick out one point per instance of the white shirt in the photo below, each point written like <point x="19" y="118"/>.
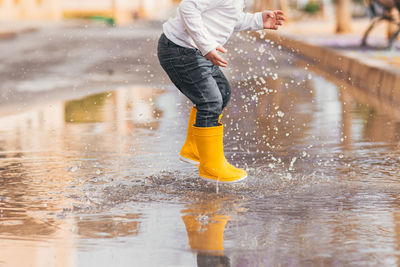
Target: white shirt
<point x="206" y="24"/>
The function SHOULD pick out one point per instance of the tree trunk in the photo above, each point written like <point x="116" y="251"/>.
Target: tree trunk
<point x="284" y="6"/>
<point x="256" y="5"/>
<point x="392" y="27"/>
<point x="343" y="16"/>
<point x="261" y="5"/>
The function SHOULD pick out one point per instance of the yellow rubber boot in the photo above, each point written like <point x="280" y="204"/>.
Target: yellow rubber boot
<point x="189" y="152"/>
<point x="213" y="164"/>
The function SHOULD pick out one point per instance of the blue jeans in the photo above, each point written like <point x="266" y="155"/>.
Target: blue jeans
<point x="197" y="78"/>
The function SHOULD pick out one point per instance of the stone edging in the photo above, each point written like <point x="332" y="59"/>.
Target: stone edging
<point x="379" y="81"/>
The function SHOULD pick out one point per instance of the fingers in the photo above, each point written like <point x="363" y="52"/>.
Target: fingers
<point x="215" y="58"/>
<point x="280" y="18"/>
<point x="220" y="61"/>
<point x="273" y="19"/>
<point x="271" y="14"/>
<point x="221" y="49"/>
<point x="279" y="15"/>
<point x="220" y="64"/>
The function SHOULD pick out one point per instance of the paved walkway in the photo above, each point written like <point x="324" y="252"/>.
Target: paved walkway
<point x="322" y="33"/>
<point x="374" y="69"/>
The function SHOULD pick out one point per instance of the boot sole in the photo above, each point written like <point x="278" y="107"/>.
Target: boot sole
<point x="222" y="182"/>
<point x="190" y="161"/>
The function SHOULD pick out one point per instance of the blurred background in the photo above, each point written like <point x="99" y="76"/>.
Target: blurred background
<point x="124" y="11"/>
<point x="120" y="11"/>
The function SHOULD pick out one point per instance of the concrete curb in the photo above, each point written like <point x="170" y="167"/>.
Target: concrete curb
<point x="372" y="76"/>
<point x="5" y="35"/>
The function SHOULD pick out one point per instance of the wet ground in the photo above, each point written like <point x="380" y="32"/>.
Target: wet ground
<point x="89" y="175"/>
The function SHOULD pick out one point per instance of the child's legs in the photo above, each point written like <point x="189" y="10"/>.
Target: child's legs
<point x="210" y="105"/>
<point x="193" y="76"/>
<point x="223" y="85"/>
<point x="202" y="89"/>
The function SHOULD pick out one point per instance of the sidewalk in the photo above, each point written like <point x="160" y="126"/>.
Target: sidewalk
<point x="10" y="29"/>
<point x="374" y="69"/>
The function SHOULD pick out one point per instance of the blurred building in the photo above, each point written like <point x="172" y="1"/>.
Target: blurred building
<point x="123" y="11"/>
<point x="11" y="10"/>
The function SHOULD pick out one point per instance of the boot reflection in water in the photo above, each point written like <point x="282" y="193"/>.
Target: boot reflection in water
<point x="205" y="230"/>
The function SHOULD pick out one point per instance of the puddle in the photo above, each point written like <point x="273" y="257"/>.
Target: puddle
<point x="97" y="181"/>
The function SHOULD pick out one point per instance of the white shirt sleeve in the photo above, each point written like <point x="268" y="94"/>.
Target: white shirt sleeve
<point x="249" y="22"/>
<point x="190" y="12"/>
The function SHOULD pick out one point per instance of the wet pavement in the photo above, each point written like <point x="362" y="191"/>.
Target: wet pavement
<point x="91" y="177"/>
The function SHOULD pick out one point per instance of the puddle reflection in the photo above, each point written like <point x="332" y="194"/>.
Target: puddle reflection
<point x="205" y="227"/>
<point x="109" y="226"/>
<point x="48" y="154"/>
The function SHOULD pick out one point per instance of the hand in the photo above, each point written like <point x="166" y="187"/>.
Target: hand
<point x="215" y="58"/>
<point x="273" y="19"/>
